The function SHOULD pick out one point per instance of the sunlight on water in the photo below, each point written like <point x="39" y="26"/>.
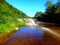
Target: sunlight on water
<point x="51" y="31"/>
<point x="31" y="22"/>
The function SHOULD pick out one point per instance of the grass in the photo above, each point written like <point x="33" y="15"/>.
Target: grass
<point x="4" y="28"/>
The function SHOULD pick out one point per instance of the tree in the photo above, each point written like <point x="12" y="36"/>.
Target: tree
<point x="58" y="7"/>
<point x="52" y="13"/>
<point x="38" y="14"/>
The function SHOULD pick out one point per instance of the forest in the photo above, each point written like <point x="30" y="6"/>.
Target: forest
<point x="51" y="14"/>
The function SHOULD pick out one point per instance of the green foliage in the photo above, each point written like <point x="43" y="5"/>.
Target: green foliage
<point x="38" y="14"/>
<point x="9" y="16"/>
<point x="52" y="13"/>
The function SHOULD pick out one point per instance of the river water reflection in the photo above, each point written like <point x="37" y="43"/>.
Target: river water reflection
<point x="30" y="36"/>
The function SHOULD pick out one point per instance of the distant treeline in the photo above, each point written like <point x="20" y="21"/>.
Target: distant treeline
<point x="52" y="13"/>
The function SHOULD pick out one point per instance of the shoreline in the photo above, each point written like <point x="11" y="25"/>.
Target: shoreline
<point x="4" y="37"/>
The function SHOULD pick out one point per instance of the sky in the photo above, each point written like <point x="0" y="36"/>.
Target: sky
<point x="30" y="7"/>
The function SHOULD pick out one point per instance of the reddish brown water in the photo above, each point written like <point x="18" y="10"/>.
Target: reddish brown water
<point x="32" y="36"/>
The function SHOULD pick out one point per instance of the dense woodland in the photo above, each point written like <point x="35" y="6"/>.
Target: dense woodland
<point x="52" y="13"/>
<point x="9" y="16"/>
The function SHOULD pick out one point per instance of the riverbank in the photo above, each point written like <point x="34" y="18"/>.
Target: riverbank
<point x="7" y="33"/>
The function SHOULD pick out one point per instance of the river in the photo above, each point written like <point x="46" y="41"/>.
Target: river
<point x="31" y="34"/>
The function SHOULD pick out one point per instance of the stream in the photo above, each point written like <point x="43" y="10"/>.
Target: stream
<point x="31" y="35"/>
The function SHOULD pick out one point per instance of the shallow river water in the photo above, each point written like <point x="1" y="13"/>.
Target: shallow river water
<point x="31" y="36"/>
